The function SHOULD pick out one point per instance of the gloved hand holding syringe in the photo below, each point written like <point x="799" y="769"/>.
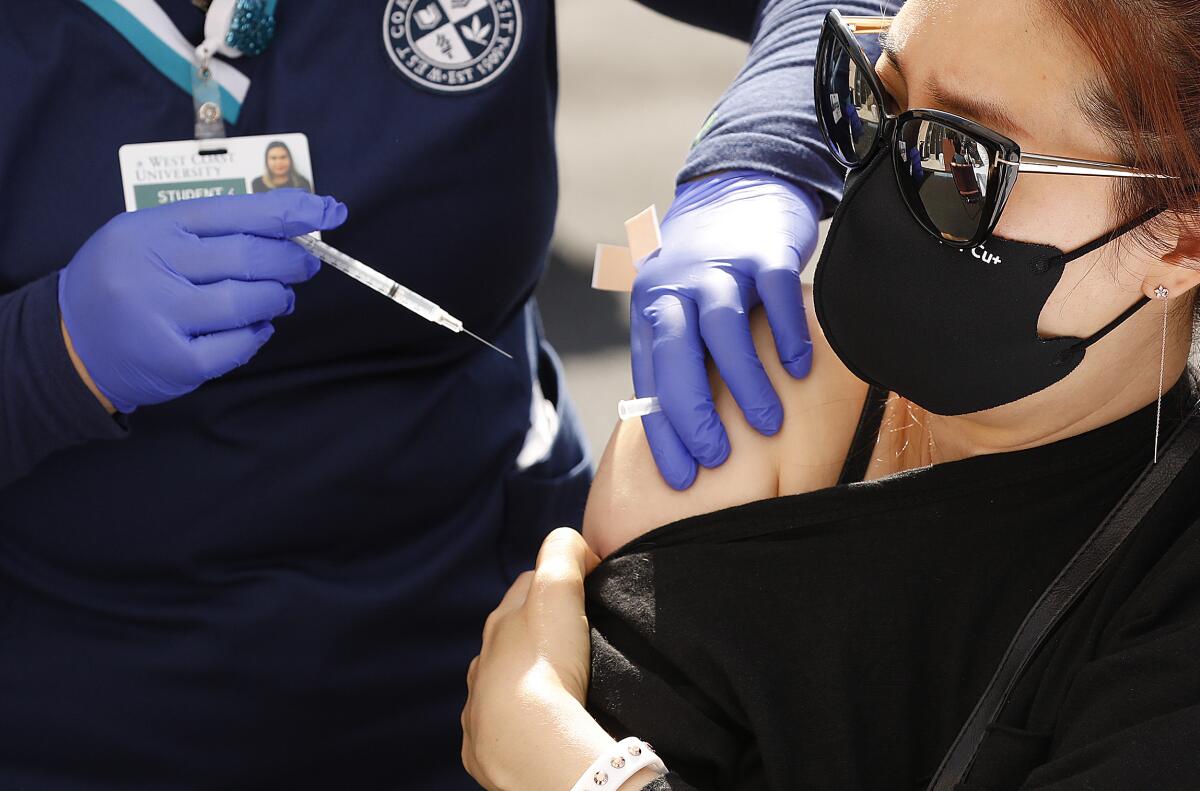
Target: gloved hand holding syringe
<point x="385" y="285"/>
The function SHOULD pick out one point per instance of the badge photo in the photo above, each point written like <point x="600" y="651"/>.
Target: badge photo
<point x="452" y="46"/>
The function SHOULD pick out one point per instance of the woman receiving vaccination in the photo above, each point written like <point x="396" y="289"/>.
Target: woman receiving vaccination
<point x="999" y="375"/>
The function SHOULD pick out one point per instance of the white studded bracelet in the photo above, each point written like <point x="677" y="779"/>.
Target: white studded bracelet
<point x="615" y="766"/>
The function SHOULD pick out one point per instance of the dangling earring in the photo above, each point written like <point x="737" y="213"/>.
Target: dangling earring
<point x="1161" y="293"/>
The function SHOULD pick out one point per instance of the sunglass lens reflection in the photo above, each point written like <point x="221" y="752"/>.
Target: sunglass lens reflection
<point x="851" y="110"/>
<point x="946" y="175"/>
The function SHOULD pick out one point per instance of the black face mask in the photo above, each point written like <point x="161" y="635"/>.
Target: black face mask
<point x="954" y="331"/>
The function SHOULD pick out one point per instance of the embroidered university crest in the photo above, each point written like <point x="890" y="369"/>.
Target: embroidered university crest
<point x="452" y="46"/>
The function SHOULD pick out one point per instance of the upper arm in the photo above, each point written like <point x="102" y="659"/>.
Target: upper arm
<point x="629" y="497"/>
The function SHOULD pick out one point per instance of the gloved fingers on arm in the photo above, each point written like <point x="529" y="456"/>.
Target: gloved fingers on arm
<point x="782" y="296"/>
<point x="681" y="379"/>
<point x="725" y="328"/>
<point x="219" y="353"/>
<point x="232" y="304"/>
<point x="278" y="214"/>
<point x="672" y="458"/>
<point x="245" y="257"/>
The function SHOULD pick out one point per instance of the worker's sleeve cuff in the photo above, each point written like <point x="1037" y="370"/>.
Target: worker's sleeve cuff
<point x="76" y="410"/>
<point x="44" y="405"/>
<point x="776" y="155"/>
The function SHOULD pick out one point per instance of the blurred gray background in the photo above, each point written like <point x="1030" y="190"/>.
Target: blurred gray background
<point x="635" y="88"/>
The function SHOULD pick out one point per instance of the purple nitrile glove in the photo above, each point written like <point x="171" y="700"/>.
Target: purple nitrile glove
<point x="730" y="242"/>
<point x="161" y="300"/>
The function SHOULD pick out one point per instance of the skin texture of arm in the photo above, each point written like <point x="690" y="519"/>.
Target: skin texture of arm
<point x="629" y="498"/>
<point x="83" y="372"/>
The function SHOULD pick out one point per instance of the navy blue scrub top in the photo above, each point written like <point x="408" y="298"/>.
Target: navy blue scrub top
<point x="277" y="580"/>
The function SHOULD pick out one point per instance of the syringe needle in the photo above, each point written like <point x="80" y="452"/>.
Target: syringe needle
<point x="380" y="282"/>
<point x="485" y="343"/>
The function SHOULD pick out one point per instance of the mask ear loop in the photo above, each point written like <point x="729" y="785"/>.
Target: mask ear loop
<point x="1076" y="348"/>
<point x="1096" y="244"/>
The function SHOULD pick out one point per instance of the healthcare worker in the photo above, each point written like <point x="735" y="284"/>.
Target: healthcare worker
<point x="276" y="579"/>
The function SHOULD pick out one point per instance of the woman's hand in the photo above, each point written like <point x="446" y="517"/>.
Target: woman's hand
<point x="524" y="726"/>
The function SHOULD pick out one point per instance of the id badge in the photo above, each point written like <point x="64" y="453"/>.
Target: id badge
<point x="155" y="174"/>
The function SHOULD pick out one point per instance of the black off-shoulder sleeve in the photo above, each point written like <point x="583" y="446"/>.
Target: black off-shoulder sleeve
<point x="642" y="686"/>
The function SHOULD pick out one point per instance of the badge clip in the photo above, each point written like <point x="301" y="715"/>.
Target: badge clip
<point x="206" y="92"/>
<point x="206" y="101"/>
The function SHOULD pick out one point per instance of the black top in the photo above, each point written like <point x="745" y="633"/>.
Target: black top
<point x="839" y="639"/>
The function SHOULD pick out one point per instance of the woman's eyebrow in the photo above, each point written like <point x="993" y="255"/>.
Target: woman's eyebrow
<point x="889" y="47"/>
<point x="985" y="112"/>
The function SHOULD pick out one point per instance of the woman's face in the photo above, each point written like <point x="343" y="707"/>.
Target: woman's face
<point x="279" y="162"/>
<point x="1015" y="67"/>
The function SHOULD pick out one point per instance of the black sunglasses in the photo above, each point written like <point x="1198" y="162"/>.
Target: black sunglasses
<point x="955" y="174"/>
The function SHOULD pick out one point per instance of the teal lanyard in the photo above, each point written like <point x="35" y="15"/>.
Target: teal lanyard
<point x="152" y="33"/>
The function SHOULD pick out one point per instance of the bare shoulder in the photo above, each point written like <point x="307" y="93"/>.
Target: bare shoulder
<point x="629" y="497"/>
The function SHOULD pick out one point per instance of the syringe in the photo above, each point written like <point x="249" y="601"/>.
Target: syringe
<point x="380" y="282"/>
